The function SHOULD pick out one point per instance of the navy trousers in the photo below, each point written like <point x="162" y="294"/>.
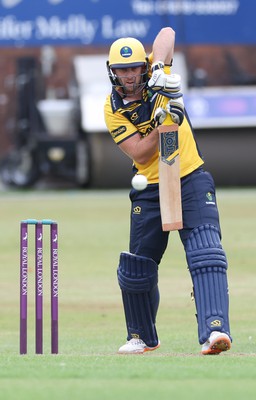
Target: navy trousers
<point x="199" y="207"/>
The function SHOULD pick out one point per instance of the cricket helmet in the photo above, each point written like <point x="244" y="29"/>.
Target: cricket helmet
<point x="126" y="53"/>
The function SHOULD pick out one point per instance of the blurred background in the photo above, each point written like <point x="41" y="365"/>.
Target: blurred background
<point x="53" y="85"/>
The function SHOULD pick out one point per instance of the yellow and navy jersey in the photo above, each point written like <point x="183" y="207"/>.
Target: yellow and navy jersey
<point x="124" y="120"/>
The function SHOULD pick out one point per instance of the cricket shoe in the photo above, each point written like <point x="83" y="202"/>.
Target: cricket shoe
<point x="136" y="346"/>
<point x="217" y="342"/>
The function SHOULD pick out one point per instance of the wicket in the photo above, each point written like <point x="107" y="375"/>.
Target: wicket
<point x="38" y="284"/>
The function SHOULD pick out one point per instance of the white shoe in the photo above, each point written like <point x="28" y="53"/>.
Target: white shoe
<point x="136" y="346"/>
<point x="217" y="342"/>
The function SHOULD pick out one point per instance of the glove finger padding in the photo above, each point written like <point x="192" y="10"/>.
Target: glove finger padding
<point x="167" y="83"/>
<point x="175" y="107"/>
<point x="172" y="83"/>
<point x="159" y="116"/>
<point x="157" y="80"/>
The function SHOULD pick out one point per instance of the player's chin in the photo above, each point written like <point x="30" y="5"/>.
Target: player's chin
<point x="129" y="89"/>
<point x="132" y="91"/>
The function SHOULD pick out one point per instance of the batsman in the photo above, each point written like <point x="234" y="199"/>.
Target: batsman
<point x="144" y="93"/>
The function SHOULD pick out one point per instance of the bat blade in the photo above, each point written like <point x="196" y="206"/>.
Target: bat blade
<point x="169" y="178"/>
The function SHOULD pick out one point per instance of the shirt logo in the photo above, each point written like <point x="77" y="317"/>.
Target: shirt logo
<point x="134" y="116"/>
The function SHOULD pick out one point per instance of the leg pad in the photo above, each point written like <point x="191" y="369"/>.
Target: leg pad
<point x="138" y="280"/>
<point x="208" y="268"/>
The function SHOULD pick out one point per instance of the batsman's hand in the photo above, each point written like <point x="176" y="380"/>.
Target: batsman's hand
<point x="161" y="81"/>
<point x="157" y="79"/>
<point x="159" y="116"/>
<point x="175" y="107"/>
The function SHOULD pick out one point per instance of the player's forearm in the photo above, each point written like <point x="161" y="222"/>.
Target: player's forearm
<point x="163" y="46"/>
<point x="141" y="149"/>
<point x="146" y="147"/>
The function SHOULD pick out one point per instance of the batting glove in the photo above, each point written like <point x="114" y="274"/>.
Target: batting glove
<point x="160" y="115"/>
<point x="175" y="107"/>
<point x="156" y="82"/>
<point x="161" y="81"/>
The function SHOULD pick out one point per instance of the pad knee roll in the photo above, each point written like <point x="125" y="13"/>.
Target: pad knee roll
<point x="138" y="280"/>
<point x="208" y="268"/>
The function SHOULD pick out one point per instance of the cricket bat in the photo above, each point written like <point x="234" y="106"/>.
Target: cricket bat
<point x="169" y="176"/>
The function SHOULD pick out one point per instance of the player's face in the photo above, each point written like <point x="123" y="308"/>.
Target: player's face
<point x="130" y="78"/>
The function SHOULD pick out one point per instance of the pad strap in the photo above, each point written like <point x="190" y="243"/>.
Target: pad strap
<point x="208" y="268"/>
<point x="138" y="280"/>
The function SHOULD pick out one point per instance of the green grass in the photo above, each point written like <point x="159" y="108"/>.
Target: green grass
<point x="93" y="230"/>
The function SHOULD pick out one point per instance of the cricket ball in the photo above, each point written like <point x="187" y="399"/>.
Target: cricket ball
<point x="139" y="182"/>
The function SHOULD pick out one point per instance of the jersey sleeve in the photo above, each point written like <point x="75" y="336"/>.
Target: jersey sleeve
<point x="117" y="124"/>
